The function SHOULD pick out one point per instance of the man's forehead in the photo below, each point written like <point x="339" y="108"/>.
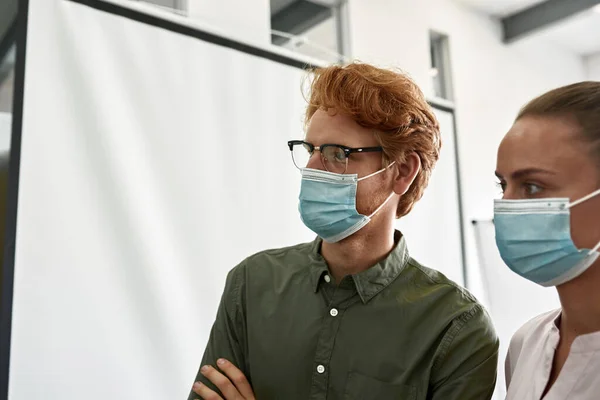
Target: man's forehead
<point x="330" y="120"/>
<point x="326" y="127"/>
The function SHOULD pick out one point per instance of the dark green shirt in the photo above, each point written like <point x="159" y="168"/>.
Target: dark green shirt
<point x="395" y="331"/>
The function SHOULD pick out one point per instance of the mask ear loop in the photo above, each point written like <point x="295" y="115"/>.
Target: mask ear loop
<point x="389" y="197"/>
<point x="586" y="198"/>
<point x="376" y="172"/>
<point x="383" y="204"/>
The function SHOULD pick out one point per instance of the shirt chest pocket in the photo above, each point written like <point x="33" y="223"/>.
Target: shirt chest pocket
<point x="362" y="387"/>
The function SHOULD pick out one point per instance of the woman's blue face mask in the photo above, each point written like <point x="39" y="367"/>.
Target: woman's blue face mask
<point x="534" y="239"/>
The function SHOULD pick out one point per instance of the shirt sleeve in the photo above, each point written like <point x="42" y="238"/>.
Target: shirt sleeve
<point x="513" y="353"/>
<point x="466" y="363"/>
<point x="228" y="334"/>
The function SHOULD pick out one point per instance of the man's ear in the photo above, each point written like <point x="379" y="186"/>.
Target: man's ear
<point x="406" y="173"/>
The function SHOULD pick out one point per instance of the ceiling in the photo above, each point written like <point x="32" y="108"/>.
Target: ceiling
<point x="500" y="8"/>
<point x="579" y="33"/>
<point x="278" y="5"/>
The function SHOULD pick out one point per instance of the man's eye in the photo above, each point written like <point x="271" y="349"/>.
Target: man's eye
<point x="340" y="156"/>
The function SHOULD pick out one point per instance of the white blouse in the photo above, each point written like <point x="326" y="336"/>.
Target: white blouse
<point x="530" y="357"/>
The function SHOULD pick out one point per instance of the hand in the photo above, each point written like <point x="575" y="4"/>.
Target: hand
<point x="234" y="386"/>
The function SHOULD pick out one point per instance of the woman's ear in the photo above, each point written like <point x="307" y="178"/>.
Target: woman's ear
<point x="406" y="173"/>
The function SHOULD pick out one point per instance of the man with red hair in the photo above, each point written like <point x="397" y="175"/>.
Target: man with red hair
<point x="352" y="315"/>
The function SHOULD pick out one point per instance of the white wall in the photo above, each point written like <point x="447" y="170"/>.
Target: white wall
<point x="249" y="19"/>
<point x="491" y="80"/>
<point x="592" y="67"/>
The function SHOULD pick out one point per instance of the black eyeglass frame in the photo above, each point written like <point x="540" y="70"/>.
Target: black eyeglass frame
<point x="347" y="150"/>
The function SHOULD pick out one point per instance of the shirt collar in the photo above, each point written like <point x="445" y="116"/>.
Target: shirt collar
<point x="589" y="342"/>
<point x="371" y="281"/>
<point x="317" y="264"/>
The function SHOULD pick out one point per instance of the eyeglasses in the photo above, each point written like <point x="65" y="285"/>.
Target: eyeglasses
<point x="334" y="157"/>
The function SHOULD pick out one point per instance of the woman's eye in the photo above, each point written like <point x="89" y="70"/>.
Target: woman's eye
<point x="532" y="189"/>
<point x="502" y="186"/>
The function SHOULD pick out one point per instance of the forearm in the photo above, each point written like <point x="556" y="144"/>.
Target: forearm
<point x="228" y="334"/>
<point x="220" y="345"/>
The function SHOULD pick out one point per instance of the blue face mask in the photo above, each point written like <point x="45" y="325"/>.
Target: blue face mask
<point x="328" y="203"/>
<point x="534" y="240"/>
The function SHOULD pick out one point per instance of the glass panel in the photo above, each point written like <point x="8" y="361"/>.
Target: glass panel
<point x="169" y="4"/>
<point x="310" y="28"/>
<point x="7" y="77"/>
<point x="319" y="42"/>
<point x="440" y="65"/>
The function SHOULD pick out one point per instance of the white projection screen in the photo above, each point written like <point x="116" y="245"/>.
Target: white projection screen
<point x="153" y="160"/>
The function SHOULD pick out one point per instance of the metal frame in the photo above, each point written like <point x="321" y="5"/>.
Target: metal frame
<point x="8" y="266"/>
<point x="461" y="215"/>
<point x="521" y="24"/>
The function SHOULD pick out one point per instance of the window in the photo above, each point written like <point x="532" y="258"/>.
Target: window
<point x="176" y="5"/>
<point x="7" y="74"/>
<point x="440" y="65"/>
<point x="316" y="28"/>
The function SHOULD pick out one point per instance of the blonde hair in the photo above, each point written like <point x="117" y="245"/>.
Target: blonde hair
<point x="390" y="104"/>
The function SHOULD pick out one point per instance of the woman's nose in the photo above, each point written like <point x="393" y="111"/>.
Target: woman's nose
<point x="510" y="193"/>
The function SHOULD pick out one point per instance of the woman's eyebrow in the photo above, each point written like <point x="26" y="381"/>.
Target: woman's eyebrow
<point x="526" y="171"/>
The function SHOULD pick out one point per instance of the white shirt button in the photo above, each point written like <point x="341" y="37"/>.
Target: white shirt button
<point x="333" y="312"/>
<point x="327" y="278"/>
<point x="320" y="369"/>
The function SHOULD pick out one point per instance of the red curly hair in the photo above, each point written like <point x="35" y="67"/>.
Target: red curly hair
<point x="390" y="104"/>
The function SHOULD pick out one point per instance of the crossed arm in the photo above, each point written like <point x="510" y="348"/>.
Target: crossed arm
<point x="222" y="374"/>
<point x="465" y="366"/>
<point x="230" y="381"/>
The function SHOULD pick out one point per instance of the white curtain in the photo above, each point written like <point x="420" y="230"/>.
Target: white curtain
<point x="152" y="163"/>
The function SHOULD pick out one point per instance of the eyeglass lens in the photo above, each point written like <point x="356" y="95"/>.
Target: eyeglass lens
<point x="333" y="157"/>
